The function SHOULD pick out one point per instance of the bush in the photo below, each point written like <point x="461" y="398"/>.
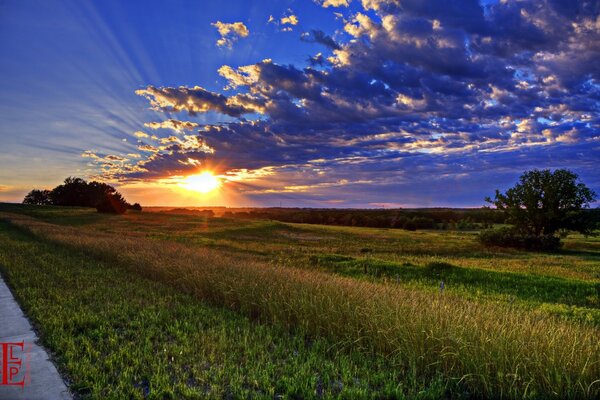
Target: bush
<point x="510" y="237"/>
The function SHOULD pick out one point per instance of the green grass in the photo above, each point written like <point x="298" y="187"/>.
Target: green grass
<point x="353" y="297"/>
<point x="566" y="284"/>
<point x="118" y="335"/>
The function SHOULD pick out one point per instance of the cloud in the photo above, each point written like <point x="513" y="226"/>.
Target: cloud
<point x="172" y="124"/>
<point x="418" y="95"/>
<point x="230" y="32"/>
<point x="198" y="100"/>
<point x="335" y="3"/>
<point x="140" y="134"/>
<point x="289" y="20"/>
<point x="89" y="154"/>
<point x="317" y="36"/>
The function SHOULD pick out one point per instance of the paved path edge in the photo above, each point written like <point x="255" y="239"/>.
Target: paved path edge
<point x="45" y="383"/>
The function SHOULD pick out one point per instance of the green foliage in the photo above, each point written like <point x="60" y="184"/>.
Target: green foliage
<point x="411" y="220"/>
<point x="511" y="237"/>
<point x="544" y="202"/>
<point x="485" y="289"/>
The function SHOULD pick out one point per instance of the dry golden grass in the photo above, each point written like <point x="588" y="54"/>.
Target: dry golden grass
<point x="488" y="350"/>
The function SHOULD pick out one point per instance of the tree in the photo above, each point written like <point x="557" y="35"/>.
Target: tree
<point x="545" y="202"/>
<point x="39" y="197"/>
<point x="77" y="192"/>
<point x="73" y="192"/>
<point x="112" y="203"/>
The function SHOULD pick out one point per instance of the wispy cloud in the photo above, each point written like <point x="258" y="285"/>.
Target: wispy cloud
<point x="172" y="124"/>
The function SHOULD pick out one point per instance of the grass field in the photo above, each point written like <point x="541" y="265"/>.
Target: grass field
<point x="163" y="305"/>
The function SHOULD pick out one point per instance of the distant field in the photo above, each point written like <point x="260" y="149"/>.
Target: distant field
<point x="164" y="305"/>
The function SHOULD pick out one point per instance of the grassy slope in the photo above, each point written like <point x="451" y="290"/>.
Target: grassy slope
<point x="569" y="283"/>
<point x="115" y="334"/>
<point x="565" y="284"/>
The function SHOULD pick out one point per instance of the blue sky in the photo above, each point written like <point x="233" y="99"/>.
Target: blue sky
<point x="310" y="103"/>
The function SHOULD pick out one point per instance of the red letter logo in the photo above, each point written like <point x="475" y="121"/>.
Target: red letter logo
<point x="12" y="363"/>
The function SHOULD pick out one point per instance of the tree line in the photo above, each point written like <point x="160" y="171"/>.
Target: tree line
<point x="540" y="209"/>
<point x="443" y="218"/>
<point x="76" y="192"/>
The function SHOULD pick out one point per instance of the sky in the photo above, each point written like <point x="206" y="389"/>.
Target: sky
<point x="310" y="103"/>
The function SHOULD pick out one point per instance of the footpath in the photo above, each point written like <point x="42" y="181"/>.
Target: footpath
<point x="22" y="359"/>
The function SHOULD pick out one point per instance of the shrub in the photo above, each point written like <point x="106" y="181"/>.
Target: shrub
<point x="510" y="237"/>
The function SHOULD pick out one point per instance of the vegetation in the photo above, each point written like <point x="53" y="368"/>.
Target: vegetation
<point x="506" y="323"/>
<point x="77" y="192"/>
<point x="39" y="197"/>
<point x="115" y="334"/>
<point x="539" y="206"/>
<point x="441" y="218"/>
<point x="510" y="237"/>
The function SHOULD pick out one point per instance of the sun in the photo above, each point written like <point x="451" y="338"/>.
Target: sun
<point x="203" y="183"/>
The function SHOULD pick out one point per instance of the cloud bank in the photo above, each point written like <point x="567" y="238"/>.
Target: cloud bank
<point x="410" y="96"/>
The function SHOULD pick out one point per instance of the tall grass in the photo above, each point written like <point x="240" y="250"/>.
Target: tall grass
<point x="486" y="350"/>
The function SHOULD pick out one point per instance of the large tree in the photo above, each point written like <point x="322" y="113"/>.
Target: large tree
<point x="545" y="202"/>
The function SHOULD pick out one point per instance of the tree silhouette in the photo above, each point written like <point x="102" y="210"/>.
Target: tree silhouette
<point x="39" y="197"/>
<point x="77" y="192"/>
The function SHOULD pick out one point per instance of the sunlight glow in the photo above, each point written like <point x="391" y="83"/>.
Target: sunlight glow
<point x="203" y="183"/>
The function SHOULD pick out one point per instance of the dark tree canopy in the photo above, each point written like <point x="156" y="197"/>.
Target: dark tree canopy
<point x="39" y="197"/>
<point x="544" y="202"/>
<point x="112" y="203"/>
<point x="77" y="192"/>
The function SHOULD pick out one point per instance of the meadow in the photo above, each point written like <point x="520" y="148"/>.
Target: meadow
<point x="167" y="305"/>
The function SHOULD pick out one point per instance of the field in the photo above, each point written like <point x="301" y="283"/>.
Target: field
<point x="162" y="305"/>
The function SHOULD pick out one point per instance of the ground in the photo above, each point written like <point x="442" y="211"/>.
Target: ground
<point x="163" y="305"/>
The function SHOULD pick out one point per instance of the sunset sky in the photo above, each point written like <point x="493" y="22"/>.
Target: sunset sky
<point x="317" y="103"/>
